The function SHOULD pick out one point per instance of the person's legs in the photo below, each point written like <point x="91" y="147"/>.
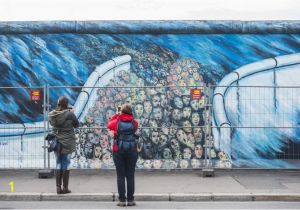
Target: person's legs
<point x="120" y="168"/>
<point x="130" y="163"/>
<point x="66" y="159"/>
<point x="58" y="173"/>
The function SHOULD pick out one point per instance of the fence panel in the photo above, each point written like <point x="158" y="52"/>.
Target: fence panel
<point x="258" y="126"/>
<point x="171" y="124"/>
<point x="21" y="141"/>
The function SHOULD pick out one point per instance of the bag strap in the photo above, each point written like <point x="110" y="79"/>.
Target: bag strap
<point x="117" y="131"/>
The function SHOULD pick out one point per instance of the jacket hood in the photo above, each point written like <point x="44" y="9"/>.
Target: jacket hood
<point x="57" y="118"/>
<point x="126" y="117"/>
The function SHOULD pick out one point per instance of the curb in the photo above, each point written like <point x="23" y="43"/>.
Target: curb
<point x="179" y="197"/>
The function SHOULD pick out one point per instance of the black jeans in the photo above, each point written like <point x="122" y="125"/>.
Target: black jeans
<point x="125" y="165"/>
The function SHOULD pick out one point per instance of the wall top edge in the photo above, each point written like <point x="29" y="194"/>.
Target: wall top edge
<point x="152" y="27"/>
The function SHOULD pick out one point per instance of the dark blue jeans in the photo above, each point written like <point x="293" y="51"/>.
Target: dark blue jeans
<point x="125" y="165"/>
<point x="63" y="161"/>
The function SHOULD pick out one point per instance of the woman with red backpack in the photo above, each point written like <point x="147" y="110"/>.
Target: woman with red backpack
<point x="125" y="153"/>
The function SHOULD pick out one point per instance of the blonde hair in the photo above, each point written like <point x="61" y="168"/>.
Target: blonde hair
<point x="126" y="109"/>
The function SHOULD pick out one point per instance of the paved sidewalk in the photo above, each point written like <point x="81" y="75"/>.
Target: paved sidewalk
<point x="154" y="185"/>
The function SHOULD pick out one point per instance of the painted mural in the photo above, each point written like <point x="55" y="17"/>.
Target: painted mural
<point x="172" y="135"/>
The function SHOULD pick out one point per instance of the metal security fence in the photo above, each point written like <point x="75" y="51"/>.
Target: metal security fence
<point x="237" y="127"/>
<point x="257" y="126"/>
<point x="171" y="124"/>
<point x="21" y="139"/>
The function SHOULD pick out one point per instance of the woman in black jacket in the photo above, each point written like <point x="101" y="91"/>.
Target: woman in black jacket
<point x="63" y="121"/>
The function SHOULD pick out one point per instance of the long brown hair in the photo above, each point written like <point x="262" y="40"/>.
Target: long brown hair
<point x="62" y="103"/>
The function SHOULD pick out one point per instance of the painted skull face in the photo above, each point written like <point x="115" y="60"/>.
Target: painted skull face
<point x="107" y="157"/>
<point x="151" y="91"/>
<point x="98" y="152"/>
<point x="143" y="121"/>
<point x="178" y="102"/>
<point x="141" y="96"/>
<point x="223" y="156"/>
<point x="101" y="92"/>
<point x="163" y="139"/>
<point x="157" y="113"/>
<point x="89" y="119"/>
<point x="138" y="110"/>
<point x="198" y="151"/>
<point x="148" y="164"/>
<point x="128" y="100"/>
<point x="153" y="123"/>
<point x="187" y="112"/>
<point x="196" y="75"/>
<point x="92" y="138"/>
<point x="148" y="107"/>
<point x="190" y="140"/>
<point x="195" y="163"/>
<point x="147" y="147"/>
<point x="105" y="101"/>
<point x="165" y="129"/>
<point x="163" y="100"/>
<point x="195" y="105"/>
<point x="98" y="129"/>
<point x="186" y="100"/>
<point x="198" y="133"/>
<point x="213" y="153"/>
<point x="195" y="118"/>
<point x="99" y="105"/>
<point x="174" y="144"/>
<point x="104" y="141"/>
<point x="82" y="137"/>
<point x="88" y="149"/>
<point x="125" y="76"/>
<point x="184" y="164"/>
<point x="187" y="153"/>
<point x="167" y="154"/>
<point x="206" y="116"/>
<point x="155" y="137"/>
<point x="181" y="135"/>
<point x="140" y="82"/>
<point x="156" y="101"/>
<point x="187" y="126"/>
<point x="109" y="113"/>
<point x="202" y="102"/>
<point x="176" y="114"/>
<point x="173" y="130"/>
<point x="157" y="164"/>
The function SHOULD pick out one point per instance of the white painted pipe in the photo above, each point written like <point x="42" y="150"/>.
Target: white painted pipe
<point x="222" y="134"/>
<point x="99" y="77"/>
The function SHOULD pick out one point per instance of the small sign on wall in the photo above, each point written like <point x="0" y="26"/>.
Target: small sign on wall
<point x="35" y="95"/>
<point x="196" y="94"/>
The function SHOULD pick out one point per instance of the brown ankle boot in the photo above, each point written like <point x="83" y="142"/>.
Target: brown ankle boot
<point x="58" y="174"/>
<point x="65" y="176"/>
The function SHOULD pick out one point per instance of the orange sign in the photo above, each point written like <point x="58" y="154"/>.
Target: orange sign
<point x="196" y="94"/>
<point x="35" y="95"/>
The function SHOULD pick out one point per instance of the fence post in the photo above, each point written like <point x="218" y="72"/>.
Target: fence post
<point x="47" y="112"/>
<point x="45" y="128"/>
<point x="46" y="172"/>
<point x="208" y="170"/>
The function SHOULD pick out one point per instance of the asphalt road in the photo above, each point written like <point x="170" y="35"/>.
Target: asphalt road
<point x="149" y="205"/>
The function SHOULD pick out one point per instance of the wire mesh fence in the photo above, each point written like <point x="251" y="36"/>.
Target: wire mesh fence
<point x="21" y="140"/>
<point x="170" y="126"/>
<point x="258" y="126"/>
<point x="246" y="127"/>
